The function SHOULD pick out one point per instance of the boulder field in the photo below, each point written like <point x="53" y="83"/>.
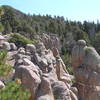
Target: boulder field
<point x="42" y="71"/>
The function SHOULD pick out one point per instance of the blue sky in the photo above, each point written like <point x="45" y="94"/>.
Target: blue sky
<point x="78" y="10"/>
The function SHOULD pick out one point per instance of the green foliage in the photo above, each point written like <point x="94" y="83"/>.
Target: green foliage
<point x="1" y="28"/>
<point x="14" y="91"/>
<point x="9" y="20"/>
<point x="1" y="11"/>
<point x="7" y="27"/>
<point x="3" y="55"/>
<point x="19" y="40"/>
<point x="96" y="42"/>
<point x="67" y="60"/>
<point x="79" y="34"/>
<point x="4" y="69"/>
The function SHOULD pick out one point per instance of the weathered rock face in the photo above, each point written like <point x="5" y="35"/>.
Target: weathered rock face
<point x="2" y="40"/>
<point x="43" y="69"/>
<point x="62" y="73"/>
<point x="13" y="46"/>
<point x="1" y="85"/>
<point x="19" y="56"/>
<point x="40" y="69"/>
<point x="50" y="41"/>
<point x="10" y="58"/>
<point x="45" y="91"/>
<point x="29" y="75"/>
<point x="78" y="53"/>
<point x="30" y="48"/>
<point x="61" y="91"/>
<point x="6" y="46"/>
<point x="86" y="64"/>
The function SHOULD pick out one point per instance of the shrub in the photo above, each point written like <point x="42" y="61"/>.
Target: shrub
<point x="19" y="40"/>
<point x="14" y="91"/>
<point x="96" y="41"/>
<point x="3" y="55"/>
<point x="5" y="70"/>
<point x="67" y="60"/>
<point x="1" y="28"/>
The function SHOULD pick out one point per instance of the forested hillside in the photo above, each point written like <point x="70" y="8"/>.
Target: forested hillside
<point x="15" y="21"/>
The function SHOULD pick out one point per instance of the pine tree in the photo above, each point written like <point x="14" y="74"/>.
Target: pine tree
<point x="8" y="28"/>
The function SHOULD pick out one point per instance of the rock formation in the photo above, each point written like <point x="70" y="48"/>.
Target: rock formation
<point x="2" y="85"/>
<point x="50" y="41"/>
<point x="2" y="40"/>
<point x="45" y="91"/>
<point x="29" y="75"/>
<point x="86" y="64"/>
<point x="41" y="69"/>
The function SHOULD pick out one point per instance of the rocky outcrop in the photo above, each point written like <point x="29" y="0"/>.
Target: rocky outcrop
<point x="50" y="41"/>
<point x="13" y="46"/>
<point x="29" y="75"/>
<point x="2" y="40"/>
<point x="86" y="64"/>
<point x="61" y="91"/>
<point x="2" y="85"/>
<point x="42" y="70"/>
<point x="45" y="91"/>
<point x="6" y="46"/>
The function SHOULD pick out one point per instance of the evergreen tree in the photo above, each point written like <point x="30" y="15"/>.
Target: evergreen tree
<point x="8" y="28"/>
<point x="1" y="28"/>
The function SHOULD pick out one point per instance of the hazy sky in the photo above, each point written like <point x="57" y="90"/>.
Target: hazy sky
<point x="72" y="9"/>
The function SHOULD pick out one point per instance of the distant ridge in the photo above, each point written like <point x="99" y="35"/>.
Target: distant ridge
<point x="18" y="13"/>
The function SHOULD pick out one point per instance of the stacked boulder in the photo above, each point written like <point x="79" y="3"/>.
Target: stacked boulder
<point x="86" y="65"/>
<point x="50" y="41"/>
<point x="43" y="72"/>
<point x="4" y="44"/>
